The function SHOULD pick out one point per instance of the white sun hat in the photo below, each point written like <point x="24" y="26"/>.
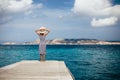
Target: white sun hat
<point x="42" y="29"/>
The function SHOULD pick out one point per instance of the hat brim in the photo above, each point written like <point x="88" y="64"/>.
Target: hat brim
<point x="42" y="28"/>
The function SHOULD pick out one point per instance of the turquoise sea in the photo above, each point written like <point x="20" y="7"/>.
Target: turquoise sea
<point x="86" y="62"/>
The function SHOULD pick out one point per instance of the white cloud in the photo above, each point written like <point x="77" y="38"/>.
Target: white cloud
<point x="33" y="7"/>
<point x="91" y="7"/>
<point x="9" y="8"/>
<point x="114" y="10"/>
<point x="104" y="22"/>
<point x="28" y="12"/>
<point x="14" y="7"/>
<point x="96" y="8"/>
<point x="38" y="6"/>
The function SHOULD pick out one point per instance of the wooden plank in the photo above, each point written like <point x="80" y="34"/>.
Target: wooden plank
<point x="36" y="70"/>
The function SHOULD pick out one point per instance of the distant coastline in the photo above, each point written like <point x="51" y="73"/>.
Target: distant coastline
<point x="67" y="42"/>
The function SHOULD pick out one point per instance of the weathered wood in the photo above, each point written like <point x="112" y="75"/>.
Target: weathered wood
<point x="36" y="70"/>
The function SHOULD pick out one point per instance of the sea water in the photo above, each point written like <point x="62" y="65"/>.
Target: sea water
<point x="86" y="62"/>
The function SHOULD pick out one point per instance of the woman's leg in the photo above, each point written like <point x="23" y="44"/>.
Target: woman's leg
<point x="42" y="57"/>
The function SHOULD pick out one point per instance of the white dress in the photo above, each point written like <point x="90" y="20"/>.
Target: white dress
<point x="42" y="45"/>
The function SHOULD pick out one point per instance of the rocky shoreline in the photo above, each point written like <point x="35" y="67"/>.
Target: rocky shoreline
<point x="67" y="42"/>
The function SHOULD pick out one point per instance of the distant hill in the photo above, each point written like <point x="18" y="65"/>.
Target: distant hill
<point x="68" y="42"/>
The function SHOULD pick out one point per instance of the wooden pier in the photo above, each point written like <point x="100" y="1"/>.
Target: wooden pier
<point x="36" y="70"/>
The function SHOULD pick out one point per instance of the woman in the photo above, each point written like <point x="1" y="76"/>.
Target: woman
<point x="42" y="33"/>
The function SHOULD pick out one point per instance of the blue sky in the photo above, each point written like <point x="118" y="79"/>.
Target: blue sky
<point x="92" y="19"/>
